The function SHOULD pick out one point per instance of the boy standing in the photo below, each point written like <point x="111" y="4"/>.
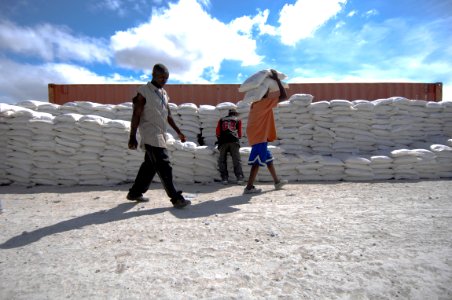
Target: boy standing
<point x="229" y="132"/>
<point x="260" y="130"/>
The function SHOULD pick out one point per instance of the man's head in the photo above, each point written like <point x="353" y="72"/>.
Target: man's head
<point x="233" y="112"/>
<point x="160" y="75"/>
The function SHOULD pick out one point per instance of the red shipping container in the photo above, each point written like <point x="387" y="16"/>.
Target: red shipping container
<point x="214" y="94"/>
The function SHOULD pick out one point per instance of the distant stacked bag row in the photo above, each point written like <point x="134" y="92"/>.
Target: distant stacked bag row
<point x="78" y="144"/>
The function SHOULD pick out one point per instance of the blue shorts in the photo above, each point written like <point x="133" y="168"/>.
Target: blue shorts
<point x="260" y="155"/>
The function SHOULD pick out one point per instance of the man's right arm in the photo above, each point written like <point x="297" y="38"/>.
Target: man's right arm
<point x="239" y="128"/>
<point x="282" y="90"/>
<point x="138" y="106"/>
<point x="218" y="130"/>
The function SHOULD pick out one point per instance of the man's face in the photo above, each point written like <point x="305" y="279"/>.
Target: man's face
<point x="160" y="78"/>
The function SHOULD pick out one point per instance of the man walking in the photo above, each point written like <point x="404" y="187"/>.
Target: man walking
<point x="151" y="113"/>
<point x="260" y="131"/>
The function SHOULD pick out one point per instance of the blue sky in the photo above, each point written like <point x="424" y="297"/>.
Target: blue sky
<point x="217" y="41"/>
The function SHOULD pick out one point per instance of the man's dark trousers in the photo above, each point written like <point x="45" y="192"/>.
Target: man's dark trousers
<point x="156" y="160"/>
<point x="234" y="149"/>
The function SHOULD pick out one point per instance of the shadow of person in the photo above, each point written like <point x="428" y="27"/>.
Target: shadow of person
<point x="100" y="217"/>
<point x="212" y="207"/>
<point x="119" y="212"/>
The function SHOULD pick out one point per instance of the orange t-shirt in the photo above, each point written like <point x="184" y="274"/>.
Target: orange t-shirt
<point x="261" y="122"/>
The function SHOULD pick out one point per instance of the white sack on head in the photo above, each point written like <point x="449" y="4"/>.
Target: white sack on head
<point x="257" y="79"/>
<point x="259" y="92"/>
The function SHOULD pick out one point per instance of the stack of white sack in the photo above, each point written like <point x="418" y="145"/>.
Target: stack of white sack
<point x="357" y="168"/>
<point x="182" y="157"/>
<point x="116" y="134"/>
<point x="444" y="159"/>
<point x="18" y="164"/>
<point x="382" y="167"/>
<point x="381" y="123"/>
<point x="404" y="162"/>
<point x="40" y="106"/>
<point x="292" y="118"/>
<point x="124" y="111"/>
<point x="192" y="163"/>
<point x="189" y="121"/>
<point x="408" y="120"/>
<point x="310" y="167"/>
<point x="244" y="156"/>
<point x="42" y="143"/>
<point x="94" y="141"/>
<point x="332" y="168"/>
<point x="205" y="166"/>
<point x="257" y="85"/>
<point x="358" y="121"/>
<point x="176" y="117"/>
<point x="69" y="148"/>
<point x="447" y="117"/>
<point x="286" y="166"/>
<point x="427" y="165"/>
<point x="422" y="163"/>
<point x="243" y="109"/>
<point x="208" y="119"/>
<point x="323" y="137"/>
<point x="4" y="128"/>
<point x="224" y="107"/>
<point x="287" y="127"/>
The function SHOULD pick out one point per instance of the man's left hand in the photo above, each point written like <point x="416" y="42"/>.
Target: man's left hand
<point x="182" y="137"/>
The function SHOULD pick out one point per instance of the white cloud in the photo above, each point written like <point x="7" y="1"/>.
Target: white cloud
<point x="50" y="43"/>
<point x="111" y="4"/>
<point x="31" y="81"/>
<point x="121" y="7"/>
<point x="301" y="20"/>
<point x="187" y="39"/>
<point x="447" y="92"/>
<point x="370" y="13"/>
<point x="404" y="69"/>
<point x="246" y="24"/>
<point x="391" y="51"/>
<point x="339" y="24"/>
<point x="205" y="3"/>
<point x="352" y="13"/>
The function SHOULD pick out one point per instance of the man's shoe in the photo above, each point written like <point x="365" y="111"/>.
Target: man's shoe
<point x="137" y="198"/>
<point x="280" y="184"/>
<point x="252" y="190"/>
<point x="180" y="203"/>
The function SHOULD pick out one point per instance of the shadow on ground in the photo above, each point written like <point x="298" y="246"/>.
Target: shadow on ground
<point x="121" y="212"/>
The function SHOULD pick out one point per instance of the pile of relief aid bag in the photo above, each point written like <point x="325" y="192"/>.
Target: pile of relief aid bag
<point x="85" y="143"/>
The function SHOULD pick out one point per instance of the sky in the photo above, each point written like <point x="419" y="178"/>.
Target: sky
<point x="219" y="41"/>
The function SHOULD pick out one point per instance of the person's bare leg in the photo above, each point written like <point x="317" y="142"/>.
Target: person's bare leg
<point x="253" y="174"/>
<point x="272" y="170"/>
<point x="279" y="183"/>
